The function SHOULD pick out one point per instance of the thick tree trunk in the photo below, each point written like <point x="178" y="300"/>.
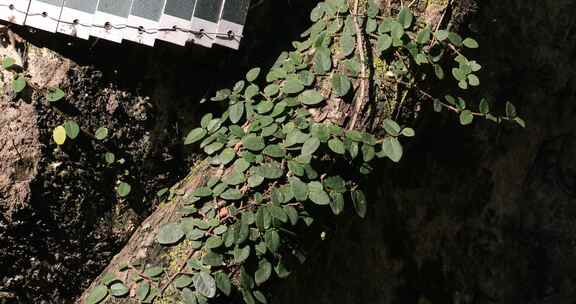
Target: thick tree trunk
<point x="360" y="112"/>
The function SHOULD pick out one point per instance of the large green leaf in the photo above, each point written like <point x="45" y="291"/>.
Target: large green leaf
<point x="310" y="146"/>
<point x="263" y="273"/>
<point x="236" y="111"/>
<point x="392" y="148"/>
<point x="322" y="60"/>
<point x="253" y="142"/>
<point x="118" y="289"/>
<point x="72" y="129"/>
<point x="223" y="283"/>
<point x="340" y="84"/>
<point x="231" y="195"/>
<point x="359" y="201"/>
<point x="234" y="178"/>
<point x="293" y="86"/>
<point x="205" y="284"/>
<point x="405" y="17"/>
<point x="270" y="171"/>
<point x="97" y="294"/>
<point x="253" y="74"/>
<point x="182" y="281"/>
<point x="311" y="97"/>
<point x="170" y="234"/>
<point x="274" y="151"/>
<point x="336" y="145"/>
<point x="195" y="136"/>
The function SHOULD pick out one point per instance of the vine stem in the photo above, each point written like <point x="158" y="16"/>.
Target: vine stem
<point x="364" y="80"/>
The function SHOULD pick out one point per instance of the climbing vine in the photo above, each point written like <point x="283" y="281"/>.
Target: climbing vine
<point x="278" y="157"/>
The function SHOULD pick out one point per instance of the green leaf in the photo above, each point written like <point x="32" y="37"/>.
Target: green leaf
<point x="260" y="297"/>
<point x="72" y="129"/>
<point x="223" y="283"/>
<point x="423" y="36"/>
<point x="348" y="44"/>
<point x="397" y="30"/>
<point x="109" y="157"/>
<point x="195" y="135"/>
<point x="439" y="71"/>
<point x="337" y="146"/>
<point x="182" y="281"/>
<point x="274" y="151"/>
<point x="212" y="258"/>
<point x="188" y="296"/>
<point x="384" y="43"/>
<point x="271" y="89"/>
<point x="359" y="201"/>
<point x="511" y="110"/>
<point x="296" y="137"/>
<point x="124" y="189"/>
<point x="311" y="97"/>
<point x="408" y="132"/>
<point x="520" y="122"/>
<point x="205" y="284"/>
<point x="470" y="43"/>
<point x="221" y="95"/>
<point x="270" y="171"/>
<point x="227" y="155"/>
<point x="231" y="195"/>
<point x="202" y="192"/>
<point x="281" y="270"/>
<point x="441" y="35"/>
<point x="8" y="62"/>
<point x="299" y="189"/>
<point x="118" y="289"/>
<point x="293" y="86"/>
<point x="170" y="234"/>
<point x="322" y="60"/>
<point x="264" y="106"/>
<point x="234" y="178"/>
<point x="263" y="273"/>
<point x="484" y="106"/>
<point x="101" y="133"/>
<point x="391" y="127"/>
<point x="59" y="135"/>
<point x="340" y="85"/>
<point x="368" y="153"/>
<point x="241" y="254"/>
<point x="255" y="181"/>
<point x="55" y="94"/>
<point x="473" y="80"/>
<point x="97" y="295"/>
<point x="336" y="202"/>
<point x="19" y="84"/>
<point x="253" y="74"/>
<point x="466" y="117"/>
<point x="272" y="239"/>
<point x="392" y="148"/>
<point x="335" y="183"/>
<point x="142" y="290"/>
<point x="253" y="142"/>
<point x="154" y="271"/>
<point x="317" y="194"/>
<point x="236" y="112"/>
<point x="405" y="17"/>
<point x="455" y="38"/>
<point x="310" y="146"/>
<point x="213" y="147"/>
<point x="214" y="242"/>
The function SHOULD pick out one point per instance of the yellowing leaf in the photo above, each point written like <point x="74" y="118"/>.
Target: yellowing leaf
<point x="59" y="135"/>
